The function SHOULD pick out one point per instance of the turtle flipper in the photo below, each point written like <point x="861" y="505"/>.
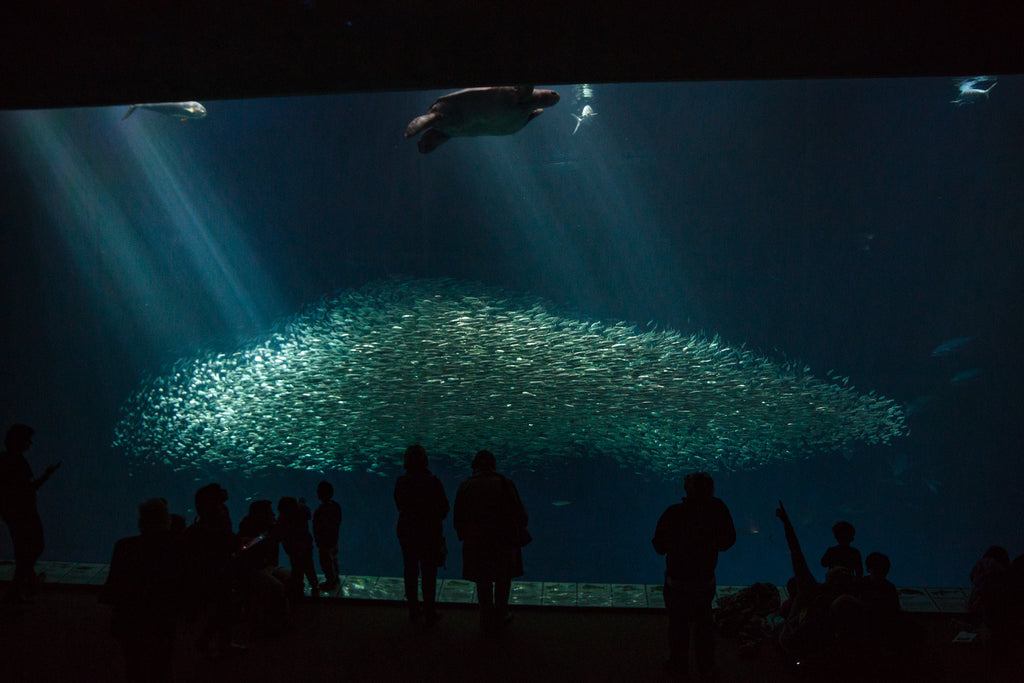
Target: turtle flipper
<point x="534" y="114"/>
<point x="419" y="123"/>
<point x="431" y="140"/>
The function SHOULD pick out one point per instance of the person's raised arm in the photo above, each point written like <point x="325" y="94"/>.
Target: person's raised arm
<point x="800" y="569"/>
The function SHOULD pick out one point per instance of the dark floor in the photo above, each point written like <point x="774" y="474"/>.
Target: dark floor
<point x="63" y="637"/>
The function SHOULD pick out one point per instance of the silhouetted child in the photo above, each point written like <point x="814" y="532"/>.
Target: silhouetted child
<point x="326" y="525"/>
<point x="878" y="594"/>
<point x="822" y="633"/>
<point x="891" y="631"/>
<point x="296" y="540"/>
<point x="843" y="554"/>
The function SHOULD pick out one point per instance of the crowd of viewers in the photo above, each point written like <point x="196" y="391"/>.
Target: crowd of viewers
<point x="848" y="622"/>
<point x="220" y="578"/>
<point x="210" y="573"/>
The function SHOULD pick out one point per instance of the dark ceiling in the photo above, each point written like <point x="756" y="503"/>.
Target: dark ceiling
<point x="59" y="54"/>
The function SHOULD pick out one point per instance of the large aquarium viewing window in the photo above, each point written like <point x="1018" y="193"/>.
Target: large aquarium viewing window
<point x="811" y="289"/>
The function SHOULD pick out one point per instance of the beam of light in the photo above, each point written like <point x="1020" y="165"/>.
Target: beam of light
<point x="575" y="207"/>
<point x="86" y="215"/>
<point x="141" y="226"/>
<point x="203" y="222"/>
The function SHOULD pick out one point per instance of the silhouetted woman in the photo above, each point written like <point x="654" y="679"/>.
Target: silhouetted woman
<point x="422" y="505"/>
<point x="210" y="547"/>
<point x="490" y="520"/>
<point x="264" y="582"/>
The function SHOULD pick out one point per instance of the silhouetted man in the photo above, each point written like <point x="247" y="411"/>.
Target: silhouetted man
<point x="18" y="508"/>
<point x="145" y="587"/>
<point x="691" y="534"/>
<point x="422" y="507"/>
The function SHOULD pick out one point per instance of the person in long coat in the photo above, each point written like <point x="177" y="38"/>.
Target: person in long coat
<point x="422" y="507"/>
<point x="490" y="520"/>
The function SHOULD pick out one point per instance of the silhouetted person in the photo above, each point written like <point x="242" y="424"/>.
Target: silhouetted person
<point x="826" y="621"/>
<point x="1015" y="597"/>
<point x="993" y="597"/>
<point x="791" y="589"/>
<point x="18" y="508"/>
<point x="801" y="633"/>
<point x="1017" y="578"/>
<point x="879" y="595"/>
<point x="993" y="564"/>
<point x="490" y="520"/>
<point x="843" y="554"/>
<point x="145" y="587"/>
<point x="892" y="632"/>
<point x="265" y="584"/>
<point x="744" y="615"/>
<point x="326" y="525"/>
<point x="211" y="548"/>
<point x="178" y="526"/>
<point x="258" y="533"/>
<point x="293" y="518"/>
<point x="691" y="534"/>
<point x="422" y="505"/>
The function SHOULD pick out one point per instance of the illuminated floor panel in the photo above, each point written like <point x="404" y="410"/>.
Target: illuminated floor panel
<point x="534" y="593"/>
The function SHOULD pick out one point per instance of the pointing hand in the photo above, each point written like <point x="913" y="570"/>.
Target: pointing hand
<point x="780" y="512"/>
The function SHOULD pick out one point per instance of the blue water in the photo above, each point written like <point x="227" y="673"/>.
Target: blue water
<point x="854" y="226"/>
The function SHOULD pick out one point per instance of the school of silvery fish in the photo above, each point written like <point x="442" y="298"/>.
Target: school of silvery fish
<point x="350" y="382"/>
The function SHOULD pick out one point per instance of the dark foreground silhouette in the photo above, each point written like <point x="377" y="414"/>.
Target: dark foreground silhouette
<point x="64" y="636"/>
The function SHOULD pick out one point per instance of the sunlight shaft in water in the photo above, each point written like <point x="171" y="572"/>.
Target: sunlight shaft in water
<point x="141" y="225"/>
